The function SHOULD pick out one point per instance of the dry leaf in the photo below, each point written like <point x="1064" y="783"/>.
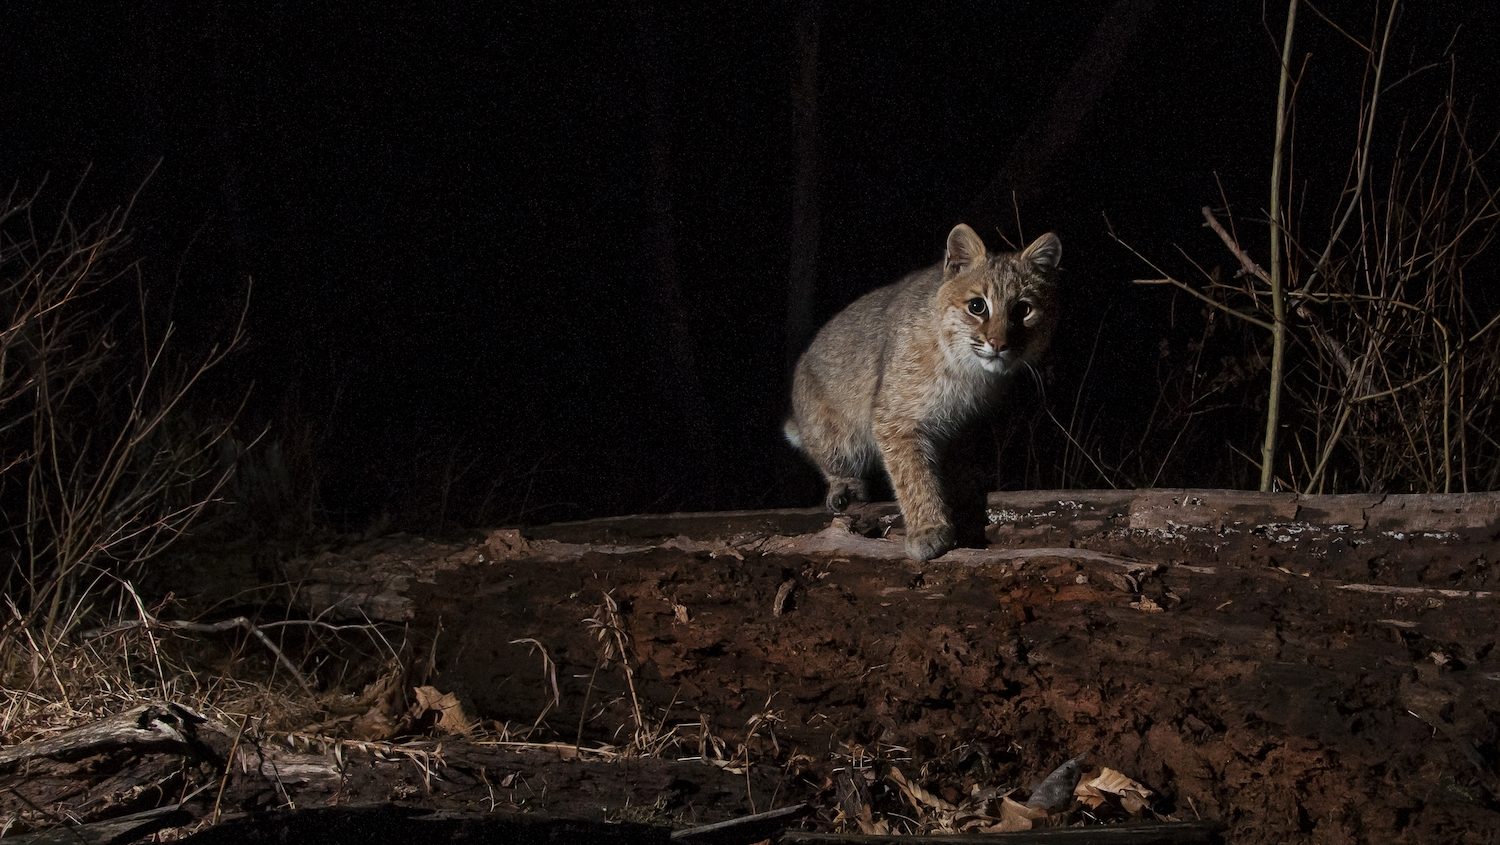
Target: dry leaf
<point x="372" y="726"/>
<point x="1120" y="581"/>
<point x="451" y="717"/>
<point x="1131" y="793"/>
<point x="680" y="613"/>
<point x="1090" y="797"/>
<point x="918" y="796"/>
<point x="872" y="827"/>
<point x="1016" y="816"/>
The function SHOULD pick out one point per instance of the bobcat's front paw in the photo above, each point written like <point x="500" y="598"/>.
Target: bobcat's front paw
<point x="843" y="492"/>
<point x="928" y="543"/>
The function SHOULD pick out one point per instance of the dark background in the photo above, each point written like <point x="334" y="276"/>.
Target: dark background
<point x="535" y="258"/>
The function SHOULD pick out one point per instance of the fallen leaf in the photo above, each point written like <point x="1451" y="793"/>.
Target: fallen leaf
<point x="1016" y="816"/>
<point x="870" y="827"/>
<point x="918" y="796"/>
<point x="1131" y="794"/>
<point x="451" y="717"/>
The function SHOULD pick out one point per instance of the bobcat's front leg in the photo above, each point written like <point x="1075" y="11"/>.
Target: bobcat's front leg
<point x="911" y="464"/>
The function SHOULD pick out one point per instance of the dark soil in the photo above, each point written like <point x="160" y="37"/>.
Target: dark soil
<point x="1313" y="669"/>
<point x="1316" y="670"/>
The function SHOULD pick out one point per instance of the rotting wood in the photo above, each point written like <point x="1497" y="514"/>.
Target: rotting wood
<point x="743" y="830"/>
<point x="374" y="581"/>
<point x="80" y="778"/>
<point x="838" y="539"/>
<point x="82" y="785"/>
<point x="388" y="824"/>
<point x="116" y="831"/>
<point x="615" y="529"/>
<point x="1417" y="592"/>
<point x="156" y="726"/>
<point x="1144" y="507"/>
<point x="1170" y="833"/>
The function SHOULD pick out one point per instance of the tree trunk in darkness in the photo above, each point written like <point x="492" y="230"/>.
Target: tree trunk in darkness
<point x="802" y="277"/>
<point x="1053" y="131"/>
<point x="228" y="136"/>
<point x="683" y="380"/>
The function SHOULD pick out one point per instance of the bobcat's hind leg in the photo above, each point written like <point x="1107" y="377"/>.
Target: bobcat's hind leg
<point x="841" y="456"/>
<point x="844" y="491"/>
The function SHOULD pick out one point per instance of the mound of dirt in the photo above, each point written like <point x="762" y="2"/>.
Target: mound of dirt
<point x="1303" y="669"/>
<point x="1287" y="669"/>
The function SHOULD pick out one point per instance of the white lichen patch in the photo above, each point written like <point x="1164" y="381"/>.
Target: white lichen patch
<point x="1289" y="532"/>
<point x="999" y="515"/>
<point x="1420" y="535"/>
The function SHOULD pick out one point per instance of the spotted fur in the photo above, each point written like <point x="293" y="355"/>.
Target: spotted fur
<point x="892" y="378"/>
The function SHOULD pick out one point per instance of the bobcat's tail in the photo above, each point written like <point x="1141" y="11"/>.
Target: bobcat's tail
<point x="793" y="434"/>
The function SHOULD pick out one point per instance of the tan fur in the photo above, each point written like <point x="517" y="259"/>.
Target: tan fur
<point x="892" y="377"/>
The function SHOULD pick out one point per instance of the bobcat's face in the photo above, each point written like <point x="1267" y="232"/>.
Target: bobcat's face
<point x="998" y="311"/>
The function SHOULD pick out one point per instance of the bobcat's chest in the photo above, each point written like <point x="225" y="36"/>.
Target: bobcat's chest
<point x="956" y="395"/>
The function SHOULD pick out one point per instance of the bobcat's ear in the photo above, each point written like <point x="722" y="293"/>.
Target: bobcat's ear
<point x="1045" y="252"/>
<point x="965" y="249"/>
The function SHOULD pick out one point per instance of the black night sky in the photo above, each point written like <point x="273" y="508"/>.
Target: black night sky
<point x="543" y="250"/>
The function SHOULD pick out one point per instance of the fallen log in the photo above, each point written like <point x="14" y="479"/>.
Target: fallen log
<point x="1170" y="833"/>
<point x="394" y="825"/>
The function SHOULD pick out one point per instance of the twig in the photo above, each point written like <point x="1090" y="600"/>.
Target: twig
<point x="241" y="622"/>
<point x="1167" y="279"/>
<point x="749" y="828"/>
<point x="563" y="748"/>
<point x="228" y="767"/>
<point x="1245" y="260"/>
<point x="1362" y="151"/>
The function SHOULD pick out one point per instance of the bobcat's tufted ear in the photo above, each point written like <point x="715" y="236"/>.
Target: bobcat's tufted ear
<point x="1045" y="252"/>
<point x="965" y="249"/>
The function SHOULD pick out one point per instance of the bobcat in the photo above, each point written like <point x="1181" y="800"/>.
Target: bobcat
<point x="896" y="374"/>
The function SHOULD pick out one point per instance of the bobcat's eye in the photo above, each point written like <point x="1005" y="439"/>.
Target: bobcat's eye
<point x="978" y="307"/>
<point x="1021" y="310"/>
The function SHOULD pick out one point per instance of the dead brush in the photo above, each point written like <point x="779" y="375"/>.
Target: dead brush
<point x="106" y="463"/>
<point x="49" y="689"/>
<point x="1384" y="360"/>
<point x="100" y="475"/>
<point x="1404" y="382"/>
